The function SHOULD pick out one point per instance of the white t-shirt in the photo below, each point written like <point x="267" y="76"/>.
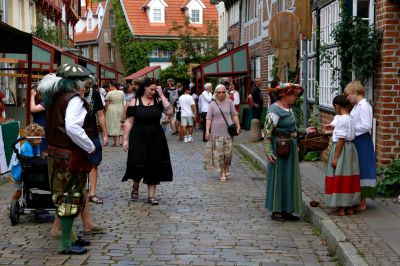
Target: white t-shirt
<point x="186" y="101"/>
<point x="344" y="128"/>
<point x="207" y="97"/>
<point x="362" y="117"/>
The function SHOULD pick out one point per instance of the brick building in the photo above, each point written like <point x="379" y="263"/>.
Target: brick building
<point x="93" y="36"/>
<point x="383" y="90"/>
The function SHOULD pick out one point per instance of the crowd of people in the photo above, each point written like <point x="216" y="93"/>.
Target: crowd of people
<point x="77" y="118"/>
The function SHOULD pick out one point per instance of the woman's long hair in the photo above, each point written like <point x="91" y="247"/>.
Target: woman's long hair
<point x="146" y="82"/>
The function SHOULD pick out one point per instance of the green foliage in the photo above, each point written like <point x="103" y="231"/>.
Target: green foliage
<point x="358" y="48"/>
<point x="389" y="185"/>
<point x="49" y="33"/>
<point x="312" y="156"/>
<point x="274" y="71"/>
<point x="178" y="71"/>
<point x="193" y="47"/>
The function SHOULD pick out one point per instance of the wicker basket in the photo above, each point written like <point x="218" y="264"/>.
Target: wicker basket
<point x="314" y="142"/>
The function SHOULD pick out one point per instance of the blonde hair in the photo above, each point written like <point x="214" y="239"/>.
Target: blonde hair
<point x="355" y="86"/>
<point x="34" y="130"/>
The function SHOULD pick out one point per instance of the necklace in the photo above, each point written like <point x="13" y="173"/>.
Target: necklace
<point x="148" y="103"/>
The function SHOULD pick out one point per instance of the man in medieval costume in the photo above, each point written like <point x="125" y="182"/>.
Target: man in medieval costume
<point x="69" y="133"/>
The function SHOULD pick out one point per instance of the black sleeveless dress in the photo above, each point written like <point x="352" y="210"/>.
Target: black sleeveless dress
<point x="148" y="154"/>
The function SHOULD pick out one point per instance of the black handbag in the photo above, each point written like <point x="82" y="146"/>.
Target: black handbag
<point x="232" y="129"/>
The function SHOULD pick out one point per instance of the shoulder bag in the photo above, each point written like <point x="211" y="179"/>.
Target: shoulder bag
<point x="232" y="129"/>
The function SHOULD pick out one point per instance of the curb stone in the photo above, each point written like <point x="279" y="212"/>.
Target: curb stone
<point x="335" y="238"/>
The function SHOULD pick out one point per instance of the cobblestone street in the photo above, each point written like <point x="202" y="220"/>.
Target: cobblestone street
<point x="200" y="221"/>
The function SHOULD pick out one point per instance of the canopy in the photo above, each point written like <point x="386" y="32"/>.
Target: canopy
<point x="235" y="63"/>
<point x="150" y="71"/>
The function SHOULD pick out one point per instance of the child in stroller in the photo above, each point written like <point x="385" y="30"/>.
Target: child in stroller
<point x="30" y="148"/>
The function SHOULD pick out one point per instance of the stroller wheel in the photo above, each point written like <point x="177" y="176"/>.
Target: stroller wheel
<point x="14" y="212"/>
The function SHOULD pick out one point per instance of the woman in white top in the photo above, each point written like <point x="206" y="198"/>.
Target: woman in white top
<point x="362" y="119"/>
<point x="234" y="96"/>
<point x="342" y="180"/>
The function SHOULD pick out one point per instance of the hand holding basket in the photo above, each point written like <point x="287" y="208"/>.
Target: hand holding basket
<point x="314" y="142"/>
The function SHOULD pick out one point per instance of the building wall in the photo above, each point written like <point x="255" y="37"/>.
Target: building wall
<point x="22" y="14"/>
<point x="104" y="48"/>
<point x="387" y="83"/>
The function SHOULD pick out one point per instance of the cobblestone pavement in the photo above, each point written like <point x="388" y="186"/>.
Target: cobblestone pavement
<point x="200" y="221"/>
<point x="369" y="244"/>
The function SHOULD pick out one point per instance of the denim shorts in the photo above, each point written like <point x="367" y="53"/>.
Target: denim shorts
<point x="97" y="156"/>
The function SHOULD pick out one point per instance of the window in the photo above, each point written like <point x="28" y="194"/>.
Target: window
<point x="112" y="54"/>
<point x="270" y="61"/>
<point x="157" y="15"/>
<point x="329" y="18"/>
<point x="328" y="88"/>
<point x="154" y="53"/>
<point x="32" y="16"/>
<point x="195" y="16"/>
<point x="166" y="54"/>
<point x="256" y="67"/>
<point x="311" y="82"/>
<point x="112" y="23"/>
<point x="85" y="52"/>
<point x="95" y="53"/>
<point x="247" y="10"/>
<point x="2" y="11"/>
<point x="234" y="14"/>
<point x="21" y="18"/>
<point x="364" y="9"/>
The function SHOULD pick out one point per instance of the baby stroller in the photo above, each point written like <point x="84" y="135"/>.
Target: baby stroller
<point x="35" y="196"/>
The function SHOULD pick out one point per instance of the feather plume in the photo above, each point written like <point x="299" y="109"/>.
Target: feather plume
<point x="51" y="85"/>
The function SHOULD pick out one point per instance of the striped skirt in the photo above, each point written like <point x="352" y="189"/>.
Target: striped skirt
<point x="218" y="154"/>
<point x="342" y="184"/>
<point x="367" y="161"/>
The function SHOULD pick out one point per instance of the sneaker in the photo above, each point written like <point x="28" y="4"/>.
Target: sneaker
<point x="190" y="139"/>
<point x="185" y="139"/>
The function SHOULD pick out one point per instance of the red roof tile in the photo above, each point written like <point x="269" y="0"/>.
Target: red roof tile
<point x="141" y="25"/>
<point x="141" y="73"/>
<point x="86" y="36"/>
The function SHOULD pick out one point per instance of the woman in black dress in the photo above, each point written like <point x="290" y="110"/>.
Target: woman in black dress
<point x="148" y="154"/>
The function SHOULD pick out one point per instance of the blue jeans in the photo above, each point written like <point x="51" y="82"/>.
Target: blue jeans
<point x="97" y="156"/>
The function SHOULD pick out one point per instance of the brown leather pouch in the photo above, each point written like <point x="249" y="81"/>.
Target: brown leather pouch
<point x="70" y="160"/>
<point x="283" y="146"/>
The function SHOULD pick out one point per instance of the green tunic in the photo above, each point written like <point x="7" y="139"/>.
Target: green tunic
<point x="284" y="193"/>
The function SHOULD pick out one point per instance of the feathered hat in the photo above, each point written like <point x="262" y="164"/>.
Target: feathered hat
<point x="282" y="89"/>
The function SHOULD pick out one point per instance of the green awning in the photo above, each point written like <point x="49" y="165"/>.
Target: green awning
<point x="67" y="59"/>
<point x="40" y="55"/>
<point x="92" y="68"/>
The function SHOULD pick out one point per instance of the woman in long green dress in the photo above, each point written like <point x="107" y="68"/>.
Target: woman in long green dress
<point x="283" y="196"/>
<point x="115" y="112"/>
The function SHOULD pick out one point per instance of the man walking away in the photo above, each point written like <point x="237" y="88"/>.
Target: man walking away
<point x="188" y="113"/>
<point x="171" y="93"/>
<point x="257" y="99"/>
<point x="206" y="98"/>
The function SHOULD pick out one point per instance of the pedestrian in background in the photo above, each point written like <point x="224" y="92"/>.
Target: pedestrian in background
<point x="234" y="96"/>
<point x="172" y="94"/>
<point x="283" y="195"/>
<point x="256" y="99"/>
<point x="38" y="111"/>
<point x="206" y="98"/>
<point x="342" y="180"/>
<point x="218" y="154"/>
<point x="188" y="113"/>
<point x="114" y="112"/>
<point x="362" y="119"/>
<point x="145" y="141"/>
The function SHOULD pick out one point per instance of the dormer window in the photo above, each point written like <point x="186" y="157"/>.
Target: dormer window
<point x="195" y="11"/>
<point x="157" y="16"/>
<point x="195" y="17"/>
<point x="156" y="10"/>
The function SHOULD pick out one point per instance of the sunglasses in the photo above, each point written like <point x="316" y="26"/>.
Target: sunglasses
<point x="221" y="92"/>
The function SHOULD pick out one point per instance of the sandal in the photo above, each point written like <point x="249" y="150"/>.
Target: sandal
<point x="152" y="200"/>
<point x="95" y="199"/>
<point x="135" y="192"/>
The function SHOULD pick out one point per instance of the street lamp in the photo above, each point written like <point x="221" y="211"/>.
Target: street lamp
<point x="229" y="44"/>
